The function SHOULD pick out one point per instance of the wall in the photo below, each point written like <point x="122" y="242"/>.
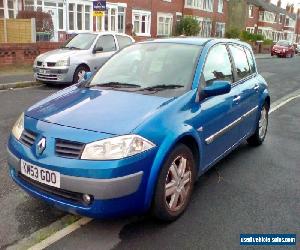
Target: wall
<point x="17" y="30"/>
<point x="24" y="53"/>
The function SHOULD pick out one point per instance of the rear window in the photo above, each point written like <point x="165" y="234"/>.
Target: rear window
<point x="123" y="41"/>
<point x="250" y="61"/>
<point x="240" y="61"/>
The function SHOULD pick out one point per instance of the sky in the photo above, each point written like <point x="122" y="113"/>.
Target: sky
<point x="284" y="2"/>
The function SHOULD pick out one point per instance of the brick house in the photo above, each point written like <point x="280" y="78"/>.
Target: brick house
<point x="270" y="20"/>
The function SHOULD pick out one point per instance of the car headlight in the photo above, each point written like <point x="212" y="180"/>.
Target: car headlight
<point x="64" y="62"/>
<point x="18" y="128"/>
<point x="116" y="148"/>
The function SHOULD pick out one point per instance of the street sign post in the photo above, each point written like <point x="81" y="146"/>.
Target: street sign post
<point x="99" y="7"/>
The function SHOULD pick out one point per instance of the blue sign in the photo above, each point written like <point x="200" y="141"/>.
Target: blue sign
<point x="268" y="239"/>
<point x="99" y="5"/>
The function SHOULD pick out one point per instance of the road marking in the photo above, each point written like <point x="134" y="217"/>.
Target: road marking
<point x="279" y="105"/>
<point x="61" y="234"/>
<point x="84" y="220"/>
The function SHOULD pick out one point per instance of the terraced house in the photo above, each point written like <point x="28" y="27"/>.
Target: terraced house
<point x="158" y="18"/>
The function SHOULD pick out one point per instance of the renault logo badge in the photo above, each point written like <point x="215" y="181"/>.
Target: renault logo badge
<point x="41" y="145"/>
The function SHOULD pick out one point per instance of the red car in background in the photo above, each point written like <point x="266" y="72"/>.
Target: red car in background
<point x="283" y="48"/>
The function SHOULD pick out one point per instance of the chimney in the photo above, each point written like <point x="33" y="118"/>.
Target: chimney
<point x="287" y="8"/>
<point x="292" y="8"/>
<point x="268" y="1"/>
<point x="279" y="3"/>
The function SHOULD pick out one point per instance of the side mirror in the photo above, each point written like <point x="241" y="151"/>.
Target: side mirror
<point x="216" y="88"/>
<point x="87" y="75"/>
<point x="97" y="49"/>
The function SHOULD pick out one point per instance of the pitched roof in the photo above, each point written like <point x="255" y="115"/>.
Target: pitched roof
<point x="271" y="7"/>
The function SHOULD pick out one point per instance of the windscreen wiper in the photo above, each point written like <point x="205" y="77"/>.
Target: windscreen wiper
<point x="162" y="87"/>
<point x="71" y="47"/>
<point x="116" y="85"/>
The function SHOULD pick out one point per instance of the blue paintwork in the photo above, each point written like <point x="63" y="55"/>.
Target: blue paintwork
<point x="87" y="115"/>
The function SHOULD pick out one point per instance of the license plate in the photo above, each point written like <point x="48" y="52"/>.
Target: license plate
<point x="44" y="71"/>
<point x="42" y="175"/>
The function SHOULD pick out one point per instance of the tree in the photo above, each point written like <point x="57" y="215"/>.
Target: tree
<point x="188" y="26"/>
<point x="43" y="20"/>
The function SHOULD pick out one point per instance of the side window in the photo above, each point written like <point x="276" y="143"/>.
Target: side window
<point x="240" y="61"/>
<point x="123" y="41"/>
<point x="250" y="61"/>
<point x="107" y="42"/>
<point x="217" y="65"/>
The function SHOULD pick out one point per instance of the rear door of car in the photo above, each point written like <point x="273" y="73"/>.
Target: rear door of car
<point x="108" y="43"/>
<point x="123" y="41"/>
<point x="249" y="86"/>
<point x="219" y="116"/>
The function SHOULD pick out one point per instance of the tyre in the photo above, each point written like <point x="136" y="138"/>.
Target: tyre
<point x="175" y="184"/>
<point x="79" y="73"/>
<point x="261" y="128"/>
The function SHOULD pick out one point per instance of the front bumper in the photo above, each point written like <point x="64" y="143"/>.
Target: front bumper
<point x="54" y="74"/>
<point x="118" y="187"/>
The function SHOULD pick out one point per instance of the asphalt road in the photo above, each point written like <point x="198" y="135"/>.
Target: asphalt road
<point x="253" y="190"/>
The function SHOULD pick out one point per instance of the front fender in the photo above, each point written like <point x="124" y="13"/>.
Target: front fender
<point x="164" y="149"/>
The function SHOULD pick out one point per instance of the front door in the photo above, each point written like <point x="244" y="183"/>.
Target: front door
<point x="108" y="44"/>
<point x="53" y="12"/>
<point x="219" y="115"/>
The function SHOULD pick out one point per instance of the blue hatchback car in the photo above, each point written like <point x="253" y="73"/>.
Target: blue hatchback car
<point x="137" y="135"/>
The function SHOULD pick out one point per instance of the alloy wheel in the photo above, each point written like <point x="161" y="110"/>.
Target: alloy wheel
<point x="263" y="123"/>
<point x="178" y="184"/>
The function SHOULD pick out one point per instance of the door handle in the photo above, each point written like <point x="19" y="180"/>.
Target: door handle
<point x="237" y="98"/>
<point x="256" y="87"/>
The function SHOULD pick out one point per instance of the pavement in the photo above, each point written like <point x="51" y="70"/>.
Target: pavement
<point x="253" y="190"/>
<point x="12" y="78"/>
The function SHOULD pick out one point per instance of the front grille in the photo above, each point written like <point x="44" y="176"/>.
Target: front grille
<point x="62" y="193"/>
<point x="47" y="77"/>
<point x="39" y="63"/>
<point x="68" y="149"/>
<point x="28" y="137"/>
<point x="50" y="64"/>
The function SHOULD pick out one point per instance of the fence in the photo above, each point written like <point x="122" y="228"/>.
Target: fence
<point x="17" y="30"/>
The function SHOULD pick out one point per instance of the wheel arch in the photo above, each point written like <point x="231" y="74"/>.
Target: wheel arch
<point x="191" y="140"/>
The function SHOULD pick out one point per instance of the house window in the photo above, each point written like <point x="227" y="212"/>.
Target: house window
<point x="251" y="11"/>
<point x="113" y="19"/>
<point x="141" y="22"/>
<point x="220" y="29"/>
<point x="1" y="8"/>
<point x="11" y="9"/>
<point x="281" y="18"/>
<point x="71" y="16"/>
<point x="60" y="17"/>
<point x="199" y="4"/>
<point x="205" y="27"/>
<point x="79" y="17"/>
<point x="164" y="24"/>
<point x="266" y="16"/>
<point x="220" y="6"/>
<point x="87" y="17"/>
<point x="121" y="19"/>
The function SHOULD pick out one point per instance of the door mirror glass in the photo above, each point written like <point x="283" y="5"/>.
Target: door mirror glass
<point x="216" y="88"/>
<point x="87" y="75"/>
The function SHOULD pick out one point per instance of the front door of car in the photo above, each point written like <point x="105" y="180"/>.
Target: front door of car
<point x="104" y="48"/>
<point x="218" y="115"/>
<point x="249" y="86"/>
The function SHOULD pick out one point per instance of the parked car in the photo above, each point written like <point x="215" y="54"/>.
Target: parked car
<point x="84" y="52"/>
<point x="283" y="48"/>
<point x="137" y="135"/>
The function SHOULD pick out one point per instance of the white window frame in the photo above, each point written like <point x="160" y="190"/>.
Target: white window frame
<point x="6" y="9"/>
<point x="220" y="6"/>
<point x="83" y="4"/>
<point x="165" y="16"/>
<point x="205" y="26"/>
<point x="250" y="29"/>
<point x="222" y="25"/>
<point x="140" y="14"/>
<point x="267" y="17"/>
<point x="250" y="11"/>
<point x="206" y="5"/>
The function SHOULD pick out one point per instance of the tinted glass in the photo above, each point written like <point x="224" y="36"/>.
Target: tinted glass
<point x="217" y="65"/>
<point x="151" y="64"/>
<point x="123" y="41"/>
<point x="107" y="43"/>
<point x="283" y="43"/>
<point x="250" y="61"/>
<point x="240" y="61"/>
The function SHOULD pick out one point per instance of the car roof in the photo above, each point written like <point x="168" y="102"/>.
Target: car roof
<point x="104" y="33"/>
<point x="196" y="41"/>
